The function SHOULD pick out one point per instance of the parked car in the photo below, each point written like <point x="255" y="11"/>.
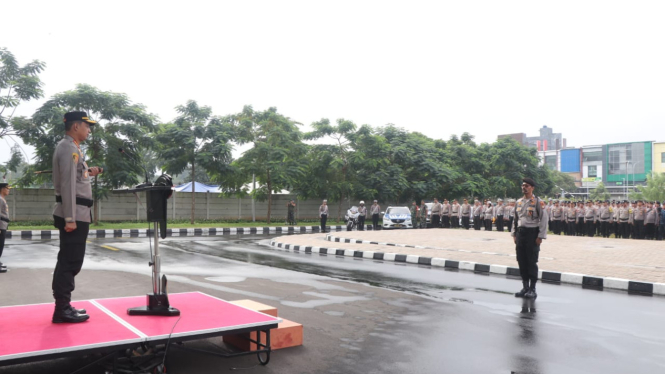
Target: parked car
<point x="397" y="217"/>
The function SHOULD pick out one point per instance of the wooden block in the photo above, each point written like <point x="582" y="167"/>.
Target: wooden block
<point x="287" y="334"/>
<point x="253" y="305"/>
<point x="240" y="341"/>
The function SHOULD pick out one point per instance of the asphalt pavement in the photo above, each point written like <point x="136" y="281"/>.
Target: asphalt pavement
<point x="360" y="315"/>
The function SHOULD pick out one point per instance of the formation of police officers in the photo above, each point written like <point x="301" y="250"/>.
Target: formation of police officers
<point x="623" y="219"/>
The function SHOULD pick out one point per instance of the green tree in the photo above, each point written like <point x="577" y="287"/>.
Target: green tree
<point x="654" y="189"/>
<point x="332" y="177"/>
<point x="562" y="181"/>
<point x="195" y="137"/>
<point x="373" y="161"/>
<point x="424" y="166"/>
<point x="599" y="193"/>
<point x="121" y="124"/>
<point x="15" y="162"/>
<point x="509" y="162"/>
<point x="17" y="84"/>
<point x="275" y="156"/>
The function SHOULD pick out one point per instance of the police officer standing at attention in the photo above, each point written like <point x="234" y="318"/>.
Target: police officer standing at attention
<point x="510" y="213"/>
<point x="4" y="220"/>
<point x="72" y="215"/>
<point x="454" y="214"/>
<point x="624" y="220"/>
<point x="375" y="210"/>
<point x="500" y="211"/>
<point x="436" y="213"/>
<point x="362" y="213"/>
<point x="466" y="214"/>
<point x="323" y="214"/>
<point x="445" y="214"/>
<point x="605" y="218"/>
<point x="579" y="213"/>
<point x="489" y="215"/>
<point x="528" y="232"/>
<point x="557" y="217"/>
<point x="639" y="214"/>
<point x="590" y="219"/>
<point x="650" y="221"/>
<point x="477" y="212"/>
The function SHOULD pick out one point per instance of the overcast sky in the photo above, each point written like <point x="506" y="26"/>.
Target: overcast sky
<point x="593" y="70"/>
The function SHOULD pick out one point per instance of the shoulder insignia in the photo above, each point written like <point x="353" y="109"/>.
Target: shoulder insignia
<point x="75" y="156"/>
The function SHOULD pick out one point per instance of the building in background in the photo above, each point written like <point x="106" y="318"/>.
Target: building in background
<point x="592" y="166"/>
<point x="546" y="141"/>
<point x="628" y="165"/>
<point x="659" y="157"/>
<point x="621" y="167"/>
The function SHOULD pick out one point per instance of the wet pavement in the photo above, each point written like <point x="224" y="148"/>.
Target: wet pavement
<point x="364" y="316"/>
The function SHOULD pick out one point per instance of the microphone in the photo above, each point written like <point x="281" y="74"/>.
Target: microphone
<point x="136" y="162"/>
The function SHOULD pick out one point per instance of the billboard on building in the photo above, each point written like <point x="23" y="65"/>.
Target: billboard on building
<point x="570" y="160"/>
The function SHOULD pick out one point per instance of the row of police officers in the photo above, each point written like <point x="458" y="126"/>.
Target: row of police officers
<point x="623" y="219"/>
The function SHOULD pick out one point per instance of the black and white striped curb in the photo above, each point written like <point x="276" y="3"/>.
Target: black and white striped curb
<point x="135" y="233"/>
<point x="336" y="239"/>
<point x="586" y="281"/>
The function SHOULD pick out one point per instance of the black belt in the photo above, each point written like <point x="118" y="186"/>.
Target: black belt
<point x="528" y="229"/>
<point x="4" y="219"/>
<point x="624" y="219"/>
<point x="79" y="201"/>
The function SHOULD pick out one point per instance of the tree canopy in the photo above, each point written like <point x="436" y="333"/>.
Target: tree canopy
<point x="195" y="138"/>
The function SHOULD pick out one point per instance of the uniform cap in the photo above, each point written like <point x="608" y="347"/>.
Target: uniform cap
<point x="362" y="202"/>
<point x="529" y="181"/>
<point x="376" y="201"/>
<point x="499" y="200"/>
<point x="78" y="116"/>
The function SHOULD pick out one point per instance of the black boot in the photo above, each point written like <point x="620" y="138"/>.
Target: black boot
<point x="67" y="314"/>
<point x="531" y="294"/>
<point x="524" y="290"/>
<point x="79" y="311"/>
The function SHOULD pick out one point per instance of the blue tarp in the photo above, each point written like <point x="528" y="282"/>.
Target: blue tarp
<point x="198" y="187"/>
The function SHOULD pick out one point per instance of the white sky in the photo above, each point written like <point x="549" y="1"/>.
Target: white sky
<point x="593" y="70"/>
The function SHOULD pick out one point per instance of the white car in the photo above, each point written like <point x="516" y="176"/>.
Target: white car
<point x="397" y="217"/>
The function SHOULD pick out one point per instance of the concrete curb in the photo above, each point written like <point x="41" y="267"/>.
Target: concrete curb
<point x="586" y="281"/>
<point x="136" y="233"/>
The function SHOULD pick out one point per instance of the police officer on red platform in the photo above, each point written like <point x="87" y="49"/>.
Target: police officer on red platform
<point x="528" y="232"/>
<point x="72" y="215"/>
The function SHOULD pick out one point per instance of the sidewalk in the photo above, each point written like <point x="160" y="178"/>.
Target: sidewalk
<point x="610" y="263"/>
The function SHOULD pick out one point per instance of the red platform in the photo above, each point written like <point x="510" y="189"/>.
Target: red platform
<point x="28" y="334"/>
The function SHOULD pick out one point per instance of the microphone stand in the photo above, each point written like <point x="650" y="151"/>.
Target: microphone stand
<point x="157" y="303"/>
